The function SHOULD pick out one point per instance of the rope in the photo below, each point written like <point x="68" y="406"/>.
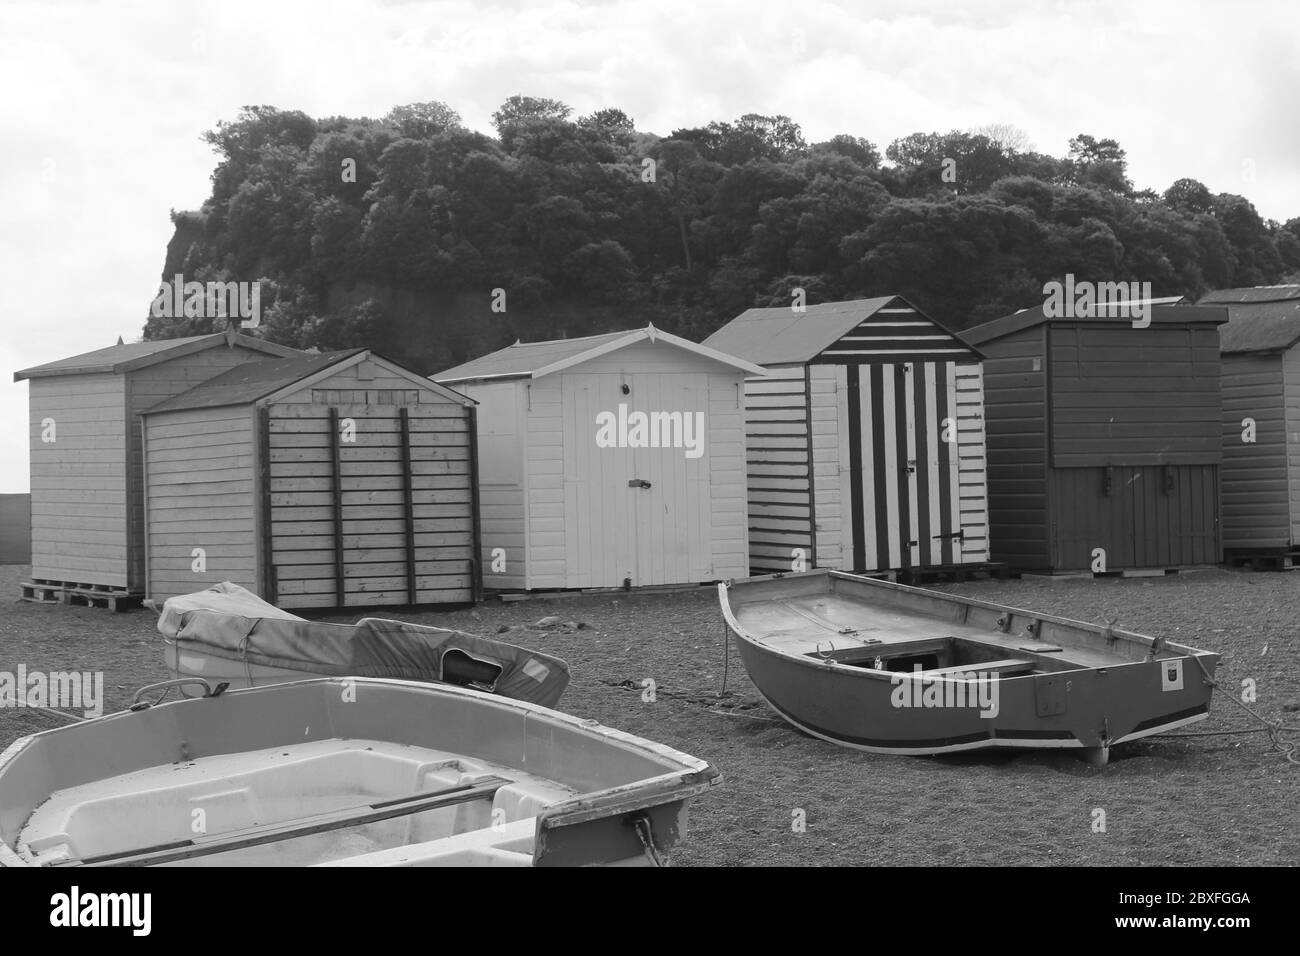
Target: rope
<point x="726" y="656"/>
<point x="1274" y="728"/>
<point x="73" y="718"/>
<point x="646" y="835"/>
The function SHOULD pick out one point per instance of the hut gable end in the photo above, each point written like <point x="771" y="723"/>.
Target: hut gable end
<point x="896" y="332"/>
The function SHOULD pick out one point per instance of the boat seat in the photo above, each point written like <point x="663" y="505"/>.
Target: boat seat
<point x="1009" y="666"/>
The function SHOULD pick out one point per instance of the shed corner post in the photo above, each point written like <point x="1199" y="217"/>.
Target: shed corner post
<point x="144" y="481"/>
<point x="408" y="501"/>
<point x="266" y="548"/>
<point x="812" y="462"/>
<point x="337" y="470"/>
<point x="476" y="558"/>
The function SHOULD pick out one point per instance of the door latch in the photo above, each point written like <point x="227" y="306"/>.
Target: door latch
<point x="638" y="483"/>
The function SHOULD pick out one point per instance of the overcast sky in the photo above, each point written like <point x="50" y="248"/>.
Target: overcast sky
<point x="104" y="103"/>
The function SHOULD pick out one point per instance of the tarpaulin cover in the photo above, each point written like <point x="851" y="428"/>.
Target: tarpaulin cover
<point x="229" y="622"/>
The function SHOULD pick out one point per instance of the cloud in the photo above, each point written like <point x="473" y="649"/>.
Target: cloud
<point x="106" y="102"/>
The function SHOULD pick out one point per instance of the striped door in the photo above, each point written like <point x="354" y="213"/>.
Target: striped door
<point x="898" y="434"/>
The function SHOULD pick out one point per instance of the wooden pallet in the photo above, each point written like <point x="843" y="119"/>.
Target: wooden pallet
<point x="1263" y="560"/>
<point x="79" y="595"/>
<point x="953" y="573"/>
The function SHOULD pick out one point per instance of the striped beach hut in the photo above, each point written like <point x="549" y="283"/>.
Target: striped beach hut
<point x="87" y="504"/>
<point x="865" y="439"/>
<point x="612" y="460"/>
<point x="1104" y="438"/>
<point x="1260" y="482"/>
<point x="328" y="480"/>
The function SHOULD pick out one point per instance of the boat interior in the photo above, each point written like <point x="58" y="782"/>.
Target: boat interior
<point x="880" y="626"/>
<point x="333" y="771"/>
<point x="294" y="805"/>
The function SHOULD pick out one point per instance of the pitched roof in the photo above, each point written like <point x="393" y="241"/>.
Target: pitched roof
<point x="1260" y="319"/>
<point x="1163" y="312"/>
<point x="777" y="336"/>
<point x="535" y="359"/>
<point x="250" y="381"/>
<point x="134" y="355"/>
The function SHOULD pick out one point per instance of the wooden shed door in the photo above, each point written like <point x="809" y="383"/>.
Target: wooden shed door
<point x="367" y="505"/>
<point x="901" y="485"/>
<point x="633" y="511"/>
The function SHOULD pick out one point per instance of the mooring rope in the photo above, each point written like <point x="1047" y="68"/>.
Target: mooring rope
<point x="1274" y="728"/>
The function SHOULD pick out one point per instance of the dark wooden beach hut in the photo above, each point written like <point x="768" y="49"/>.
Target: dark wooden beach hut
<point x="1260" y="354"/>
<point x="1103" y="438"/>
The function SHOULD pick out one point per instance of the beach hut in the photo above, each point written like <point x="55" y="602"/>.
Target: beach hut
<point x="336" y="479"/>
<point x="1103" y="438"/>
<point x="865" y="439"/>
<point x="1261" y="423"/>
<point x="612" y="460"/>
<point x="87" y="481"/>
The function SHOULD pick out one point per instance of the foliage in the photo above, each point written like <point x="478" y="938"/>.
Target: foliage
<point x="398" y="232"/>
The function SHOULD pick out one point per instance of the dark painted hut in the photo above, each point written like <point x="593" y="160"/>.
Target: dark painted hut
<point x="1261" y="421"/>
<point x="1104" y="439"/>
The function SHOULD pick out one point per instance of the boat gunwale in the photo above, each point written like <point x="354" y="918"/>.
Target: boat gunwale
<point x="691" y="777"/>
<point x="724" y="591"/>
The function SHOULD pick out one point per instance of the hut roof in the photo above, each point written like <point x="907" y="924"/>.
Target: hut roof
<point x="1167" y="311"/>
<point x="777" y="336"/>
<point x="1260" y="319"/>
<point x="254" y="381"/>
<point x="134" y="355"/>
<point x="535" y="359"/>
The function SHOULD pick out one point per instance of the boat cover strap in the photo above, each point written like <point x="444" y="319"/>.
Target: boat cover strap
<point x="230" y="622"/>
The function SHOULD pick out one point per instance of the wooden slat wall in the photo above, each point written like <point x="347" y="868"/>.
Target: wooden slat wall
<point x="1291" y="402"/>
<point x="80" y="481"/>
<point x="1256" y="509"/>
<point x="1015" y="409"/>
<point x="779" y="469"/>
<point x="149" y="386"/>
<point x="501" y="480"/>
<point x="1155" y="516"/>
<point x="728" y="481"/>
<point x="972" y="463"/>
<point x="372" y="505"/>
<point x="1134" y="396"/>
<point x="201" y="494"/>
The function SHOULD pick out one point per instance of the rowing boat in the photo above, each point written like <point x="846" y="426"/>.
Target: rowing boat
<point x="880" y="667"/>
<point x="226" y="634"/>
<point x="363" y="772"/>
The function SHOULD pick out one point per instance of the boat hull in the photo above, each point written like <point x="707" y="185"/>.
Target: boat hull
<point x="841" y="696"/>
<point x="551" y="789"/>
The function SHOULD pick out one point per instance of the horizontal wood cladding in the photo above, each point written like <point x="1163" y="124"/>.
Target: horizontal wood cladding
<point x="894" y="334"/>
<point x="370" y="504"/>
<point x="780" y="485"/>
<point x="81" y="480"/>
<point x="1254" y="478"/>
<point x="1126" y="396"/>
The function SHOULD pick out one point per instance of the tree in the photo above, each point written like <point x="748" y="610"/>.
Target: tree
<point x="1100" y="162"/>
<point x="422" y="120"/>
<point x="517" y="109"/>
